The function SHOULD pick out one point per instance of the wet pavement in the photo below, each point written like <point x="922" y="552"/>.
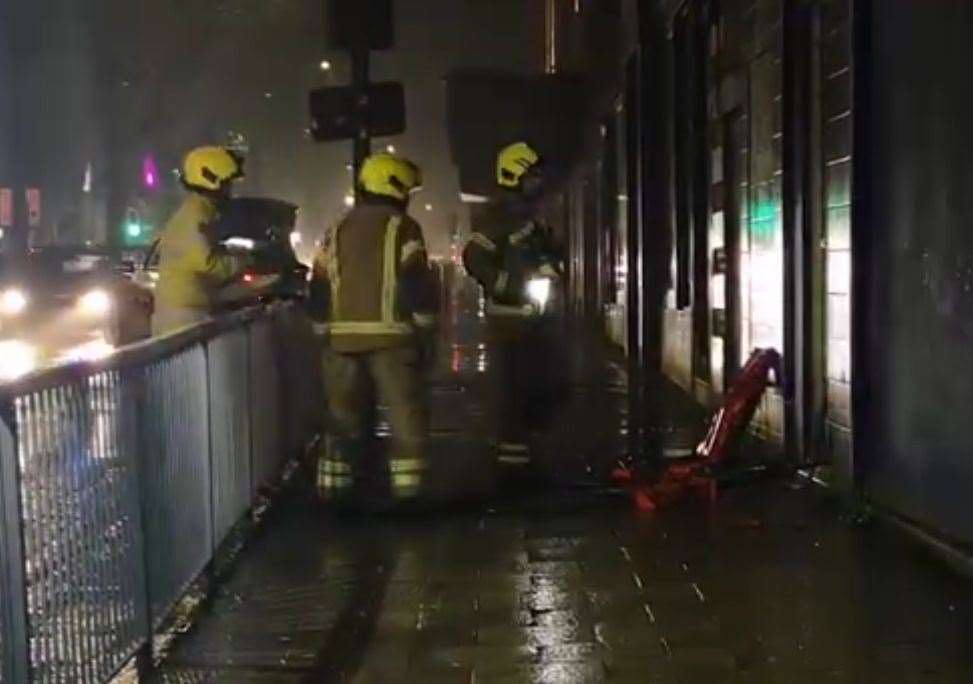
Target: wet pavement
<point x="552" y="577"/>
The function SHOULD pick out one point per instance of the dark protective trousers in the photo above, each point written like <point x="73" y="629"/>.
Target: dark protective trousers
<point x="354" y="384"/>
<point x="526" y="377"/>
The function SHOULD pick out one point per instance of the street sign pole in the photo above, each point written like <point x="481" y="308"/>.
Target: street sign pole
<point x="361" y="110"/>
<point x="362" y="144"/>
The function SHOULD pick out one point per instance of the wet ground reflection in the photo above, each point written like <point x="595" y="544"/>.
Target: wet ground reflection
<point x="552" y="577"/>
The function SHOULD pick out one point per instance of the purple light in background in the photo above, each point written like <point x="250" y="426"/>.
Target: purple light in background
<point x="150" y="173"/>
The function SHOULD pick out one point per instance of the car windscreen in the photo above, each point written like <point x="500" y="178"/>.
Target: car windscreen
<point x="55" y="270"/>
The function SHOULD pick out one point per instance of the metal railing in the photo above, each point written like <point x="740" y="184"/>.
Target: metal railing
<point x="120" y="480"/>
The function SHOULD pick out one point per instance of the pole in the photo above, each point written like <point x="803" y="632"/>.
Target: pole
<point x="360" y="61"/>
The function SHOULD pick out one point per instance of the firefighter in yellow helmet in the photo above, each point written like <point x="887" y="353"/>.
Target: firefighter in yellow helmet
<point x="513" y="257"/>
<point x="373" y="300"/>
<point x="192" y="268"/>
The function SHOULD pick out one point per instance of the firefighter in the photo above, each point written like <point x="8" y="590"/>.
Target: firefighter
<point x="372" y="299"/>
<point x="192" y="268"/>
<point x="509" y="250"/>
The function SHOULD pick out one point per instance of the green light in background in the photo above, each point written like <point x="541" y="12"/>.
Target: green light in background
<point x="134" y="230"/>
<point x="764" y="221"/>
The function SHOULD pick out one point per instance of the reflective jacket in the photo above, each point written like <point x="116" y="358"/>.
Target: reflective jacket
<point x="191" y="269"/>
<point x="504" y="252"/>
<point x="371" y="286"/>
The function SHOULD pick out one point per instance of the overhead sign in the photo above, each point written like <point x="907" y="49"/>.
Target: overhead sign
<point x="346" y="112"/>
<point x="6" y="208"/>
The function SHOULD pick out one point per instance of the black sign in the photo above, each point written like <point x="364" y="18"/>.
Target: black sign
<point x="346" y="112"/>
<point x="360" y="24"/>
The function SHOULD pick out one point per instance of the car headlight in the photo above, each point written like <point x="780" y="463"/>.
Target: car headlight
<point x="95" y="303"/>
<point x="16" y="359"/>
<point x="539" y="291"/>
<point x="13" y="302"/>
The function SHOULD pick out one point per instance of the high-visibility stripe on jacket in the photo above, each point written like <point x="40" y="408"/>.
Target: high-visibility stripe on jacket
<point x="371" y="285"/>
<point x="501" y="254"/>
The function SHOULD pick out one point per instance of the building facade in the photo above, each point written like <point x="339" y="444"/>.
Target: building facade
<point x="776" y="174"/>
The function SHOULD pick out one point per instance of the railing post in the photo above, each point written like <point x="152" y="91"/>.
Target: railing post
<point x="13" y="582"/>
<point x="251" y="485"/>
<point x="133" y="387"/>
<point x="210" y="465"/>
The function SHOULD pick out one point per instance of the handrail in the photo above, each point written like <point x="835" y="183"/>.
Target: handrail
<point x="120" y="479"/>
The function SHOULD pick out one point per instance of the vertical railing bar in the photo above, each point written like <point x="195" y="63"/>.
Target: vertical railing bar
<point x="248" y="346"/>
<point x="74" y="432"/>
<point x="60" y="448"/>
<point x="74" y="560"/>
<point x="16" y="647"/>
<point x="164" y="474"/>
<point x="131" y="405"/>
<point x="31" y="468"/>
<point x="209" y="447"/>
<point x="78" y="405"/>
<point x="30" y="508"/>
<point x="41" y="526"/>
<point x="45" y="525"/>
<point x="51" y="421"/>
<point x="123" y="571"/>
<point x="155" y="469"/>
<point x="92" y="618"/>
<point x="93" y="447"/>
<point x="107" y="506"/>
<point x="74" y="443"/>
<point x="75" y="438"/>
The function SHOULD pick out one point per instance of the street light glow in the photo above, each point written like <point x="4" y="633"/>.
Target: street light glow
<point x="349" y="201"/>
<point x="325" y="65"/>
<point x="390" y="149"/>
<point x="13" y="302"/>
<point x="16" y="359"/>
<point x="428" y="207"/>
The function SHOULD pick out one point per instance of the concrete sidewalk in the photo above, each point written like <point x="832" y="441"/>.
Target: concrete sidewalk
<point x="554" y="578"/>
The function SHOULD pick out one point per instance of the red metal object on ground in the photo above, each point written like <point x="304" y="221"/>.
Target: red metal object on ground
<point x="694" y="477"/>
<point x="738" y="408"/>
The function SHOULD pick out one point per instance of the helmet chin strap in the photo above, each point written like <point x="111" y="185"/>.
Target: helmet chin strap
<point x="532" y="187"/>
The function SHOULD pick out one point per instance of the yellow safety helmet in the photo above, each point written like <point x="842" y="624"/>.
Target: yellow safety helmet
<point x="211" y="168"/>
<point x="390" y="176"/>
<point x="513" y="163"/>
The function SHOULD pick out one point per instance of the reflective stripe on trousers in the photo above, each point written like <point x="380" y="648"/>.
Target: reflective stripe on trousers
<point x="407" y="476"/>
<point x="334" y="472"/>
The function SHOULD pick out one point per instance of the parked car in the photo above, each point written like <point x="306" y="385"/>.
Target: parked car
<point x="57" y="298"/>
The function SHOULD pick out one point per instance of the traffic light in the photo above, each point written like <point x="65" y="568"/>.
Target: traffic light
<point x="134" y="229"/>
